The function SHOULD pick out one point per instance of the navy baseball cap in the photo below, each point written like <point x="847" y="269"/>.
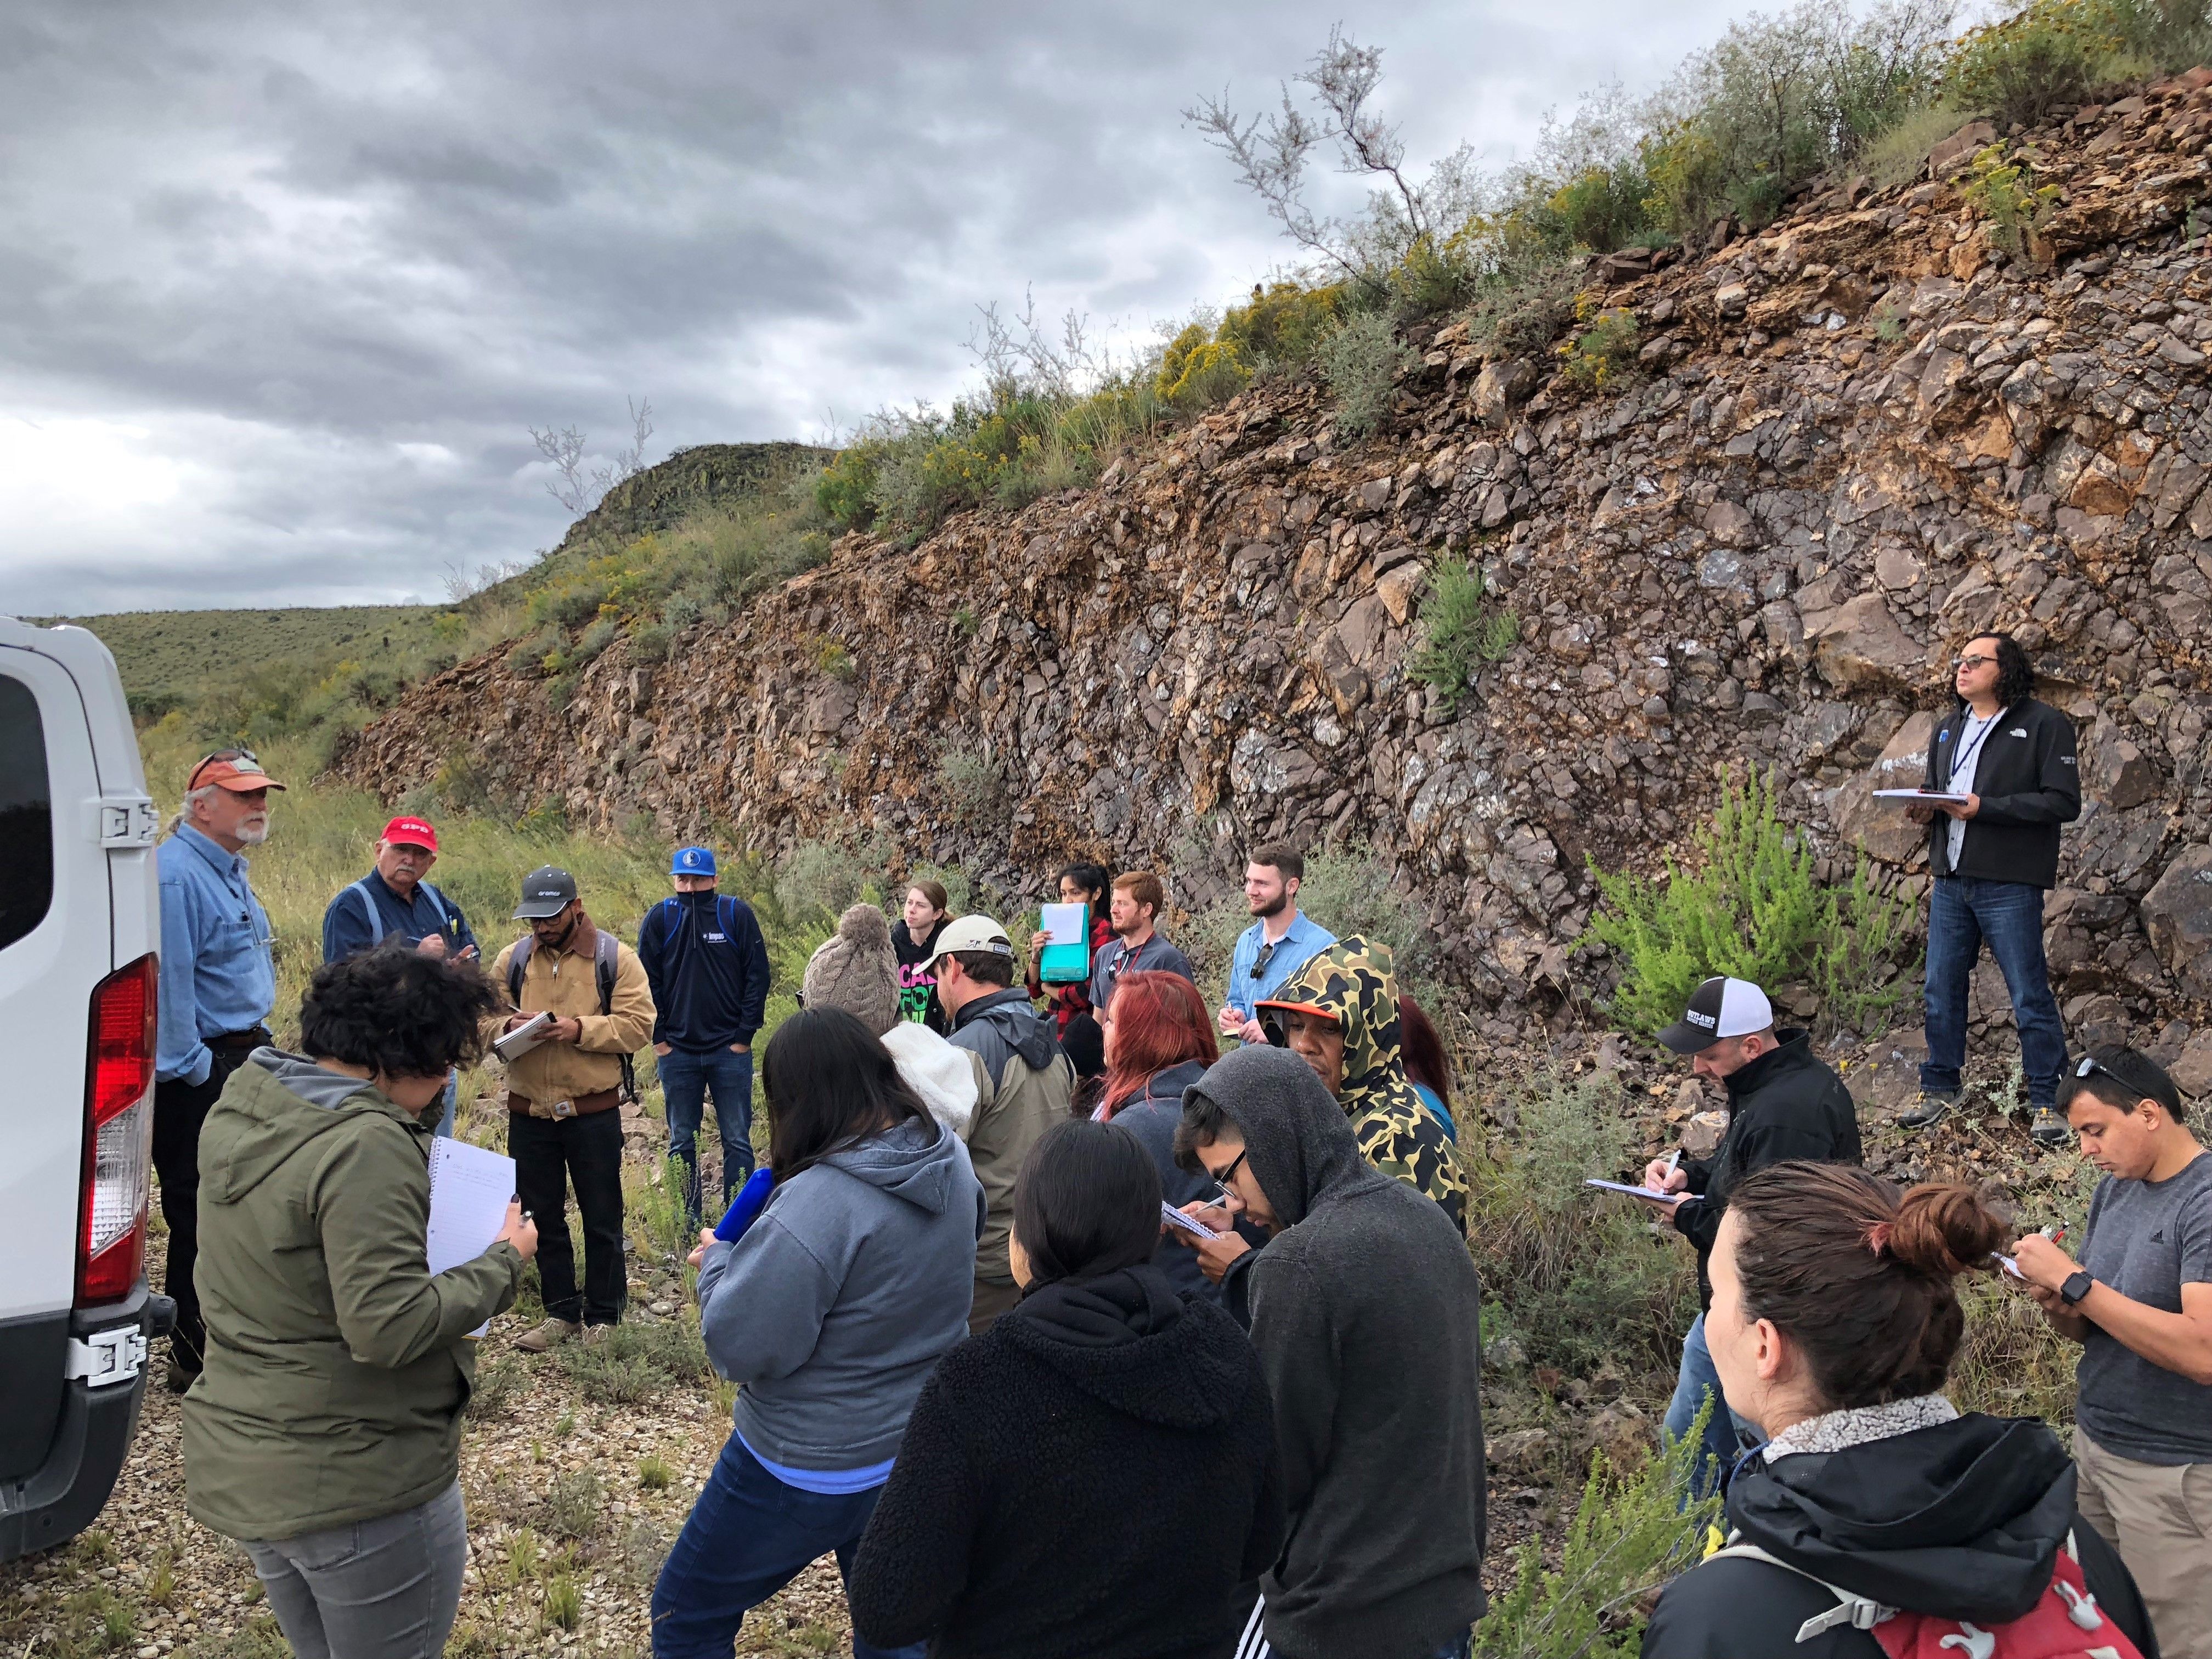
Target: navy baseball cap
<point x="692" y="861"/>
<point x="546" y="891"/>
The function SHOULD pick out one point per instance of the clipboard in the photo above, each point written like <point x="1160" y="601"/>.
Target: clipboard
<point x="1066" y="960"/>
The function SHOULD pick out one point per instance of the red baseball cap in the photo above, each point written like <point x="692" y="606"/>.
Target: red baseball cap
<point x="411" y="832"/>
<point x="238" y="770"/>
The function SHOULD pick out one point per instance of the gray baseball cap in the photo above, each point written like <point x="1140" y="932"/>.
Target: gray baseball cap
<point x="546" y="891"/>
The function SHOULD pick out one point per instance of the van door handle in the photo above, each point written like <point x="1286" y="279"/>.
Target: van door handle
<point x="125" y="823"/>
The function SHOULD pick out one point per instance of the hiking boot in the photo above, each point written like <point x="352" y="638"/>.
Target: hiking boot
<point x="542" y="1337"/>
<point x="2050" y="1129"/>
<point x="595" y="1335"/>
<point x="178" y="1376"/>
<point x="1932" y="1108"/>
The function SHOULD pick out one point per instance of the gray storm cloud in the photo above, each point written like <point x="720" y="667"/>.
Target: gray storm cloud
<point x="281" y="287"/>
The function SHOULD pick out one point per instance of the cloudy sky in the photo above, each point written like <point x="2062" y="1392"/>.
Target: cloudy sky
<point x="282" y="286"/>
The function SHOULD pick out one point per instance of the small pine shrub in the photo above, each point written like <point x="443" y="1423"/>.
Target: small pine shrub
<point x="1632" y="1533"/>
<point x="1361" y="359"/>
<point x="2005" y="194"/>
<point x="1747" y="905"/>
<point x="1459" y="632"/>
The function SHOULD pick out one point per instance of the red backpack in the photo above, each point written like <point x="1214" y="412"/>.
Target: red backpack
<point x="2065" y="1623"/>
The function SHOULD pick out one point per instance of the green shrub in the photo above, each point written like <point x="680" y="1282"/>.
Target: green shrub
<point x="974" y="784"/>
<point x="564" y="1602"/>
<point x="1459" y="632"/>
<point x="1282" y="326"/>
<point x="635" y="1362"/>
<point x="498" y="1385"/>
<point x="1631" y="1533"/>
<point x="649" y="643"/>
<point x="1362" y="358"/>
<point x="1604" y="344"/>
<point x="572" y="1508"/>
<point x="1749" y="905"/>
<point x="653" y="1473"/>
<point x="1578" y="1280"/>
<point x="2049" y="52"/>
<point x="845" y="490"/>
<point x="2005" y="194"/>
<point x="1899" y="155"/>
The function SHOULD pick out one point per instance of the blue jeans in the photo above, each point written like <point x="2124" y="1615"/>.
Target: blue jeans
<point x="1719" y="1452"/>
<point x="685" y="1080"/>
<point x="1963" y="912"/>
<point x="750" y="1535"/>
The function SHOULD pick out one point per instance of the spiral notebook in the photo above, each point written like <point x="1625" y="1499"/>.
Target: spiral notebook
<point x="1066" y="959"/>
<point x="469" y="1190"/>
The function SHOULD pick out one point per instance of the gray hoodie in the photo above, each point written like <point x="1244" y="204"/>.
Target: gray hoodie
<point x="833" y="1307"/>
<point x="1366" y="1313"/>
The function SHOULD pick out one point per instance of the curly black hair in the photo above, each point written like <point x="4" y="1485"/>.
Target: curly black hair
<point x="396" y="1011"/>
<point x="2015" y="674"/>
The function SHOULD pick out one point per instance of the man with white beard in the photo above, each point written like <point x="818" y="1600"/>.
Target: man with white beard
<point x="218" y="985"/>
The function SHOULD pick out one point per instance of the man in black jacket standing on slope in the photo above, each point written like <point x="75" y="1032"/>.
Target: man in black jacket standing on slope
<point x="703" y="954"/>
<point x="1993" y="856"/>
<point x="1366" y="1314"/>
<point x="1783" y="1102"/>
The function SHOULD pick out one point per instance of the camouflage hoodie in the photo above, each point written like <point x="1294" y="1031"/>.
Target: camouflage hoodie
<point x="1352" y="983"/>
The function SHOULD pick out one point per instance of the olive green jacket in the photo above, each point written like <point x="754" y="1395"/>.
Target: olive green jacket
<point x="336" y="1366"/>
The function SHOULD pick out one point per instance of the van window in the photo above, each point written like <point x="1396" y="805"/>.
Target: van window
<point x="27" y="815"/>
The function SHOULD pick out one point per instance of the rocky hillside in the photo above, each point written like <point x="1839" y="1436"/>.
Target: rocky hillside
<point x="1839" y="447"/>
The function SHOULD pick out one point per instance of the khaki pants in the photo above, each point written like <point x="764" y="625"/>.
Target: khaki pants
<point x="2159" y="1517"/>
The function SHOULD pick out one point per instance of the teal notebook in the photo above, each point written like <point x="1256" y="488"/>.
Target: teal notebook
<point x="1066" y="960"/>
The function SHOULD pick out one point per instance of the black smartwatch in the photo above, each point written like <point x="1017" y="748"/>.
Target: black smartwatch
<point x="2077" y="1287"/>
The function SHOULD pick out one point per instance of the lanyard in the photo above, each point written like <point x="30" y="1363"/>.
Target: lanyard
<point x="1979" y="740"/>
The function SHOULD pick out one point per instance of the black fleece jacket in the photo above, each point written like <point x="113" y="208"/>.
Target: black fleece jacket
<point x="1095" y="1475"/>
<point x="2029" y="779"/>
<point x="1787" y="1103"/>
<point x="1366" y="1313"/>
<point x="1962" y="1520"/>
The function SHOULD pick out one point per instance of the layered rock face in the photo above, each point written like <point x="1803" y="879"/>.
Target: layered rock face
<point x="1845" y="446"/>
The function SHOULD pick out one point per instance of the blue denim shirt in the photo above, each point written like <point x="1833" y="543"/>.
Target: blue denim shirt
<point x="1307" y="939"/>
<point x="217" y="973"/>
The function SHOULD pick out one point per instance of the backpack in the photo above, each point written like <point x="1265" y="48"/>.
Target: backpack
<point x="2064" y="1624"/>
<point x="360" y="890"/>
<point x="605" y="958"/>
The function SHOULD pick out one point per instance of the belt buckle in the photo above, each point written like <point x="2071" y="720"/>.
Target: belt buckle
<point x="563" y="1108"/>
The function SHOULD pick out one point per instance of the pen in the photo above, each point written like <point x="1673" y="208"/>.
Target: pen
<point x="1673" y="1161"/>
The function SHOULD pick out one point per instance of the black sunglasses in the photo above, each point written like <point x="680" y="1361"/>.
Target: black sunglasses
<point x="1265" y="955"/>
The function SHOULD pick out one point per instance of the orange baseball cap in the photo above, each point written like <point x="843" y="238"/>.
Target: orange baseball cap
<point x="238" y="770"/>
<point x="410" y="832"/>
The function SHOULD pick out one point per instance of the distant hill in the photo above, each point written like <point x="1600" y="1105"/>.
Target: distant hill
<point x="165" y="655"/>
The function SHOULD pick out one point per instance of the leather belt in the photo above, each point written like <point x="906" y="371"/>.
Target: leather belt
<point x="256" y="1037"/>
<point x="580" y="1106"/>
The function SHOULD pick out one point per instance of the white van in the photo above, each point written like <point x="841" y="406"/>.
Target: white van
<point x="79" y="923"/>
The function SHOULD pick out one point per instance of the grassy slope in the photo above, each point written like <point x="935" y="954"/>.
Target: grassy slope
<point x="168" y="651"/>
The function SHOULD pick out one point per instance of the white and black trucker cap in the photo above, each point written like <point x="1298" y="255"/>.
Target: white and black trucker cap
<point x="1719" y="1008"/>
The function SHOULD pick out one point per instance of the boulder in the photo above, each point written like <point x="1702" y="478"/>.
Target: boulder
<point x="2192" y="1072"/>
<point x="2118" y="774"/>
<point x="1859" y="646"/>
<point x="830" y="708"/>
<point x="1954" y="153"/>
<point x="1730" y="523"/>
<point x="1881" y="826"/>
<point x="1501" y="385"/>
<point x="2177" y="913"/>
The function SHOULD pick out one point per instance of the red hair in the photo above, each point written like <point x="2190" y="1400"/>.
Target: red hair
<point x="1159" y="1020"/>
<point x="1422" y="1050"/>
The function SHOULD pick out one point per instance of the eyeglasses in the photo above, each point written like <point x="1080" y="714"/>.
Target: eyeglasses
<point x="1965" y="663"/>
<point x="1221" y="1181"/>
<point x="1266" y="954"/>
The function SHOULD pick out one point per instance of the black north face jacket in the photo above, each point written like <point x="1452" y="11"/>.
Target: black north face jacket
<point x="2029" y="779"/>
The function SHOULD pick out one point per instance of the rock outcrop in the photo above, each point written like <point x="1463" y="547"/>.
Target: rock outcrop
<point x="1849" y="443"/>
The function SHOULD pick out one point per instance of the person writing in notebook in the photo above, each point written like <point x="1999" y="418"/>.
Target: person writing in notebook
<point x="1280" y="940"/>
<point x="1783" y="1102"/>
<point x="1993" y="856"/>
<point x="2139" y="1302"/>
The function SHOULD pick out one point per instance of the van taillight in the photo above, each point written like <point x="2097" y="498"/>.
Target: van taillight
<point x="119" y="1134"/>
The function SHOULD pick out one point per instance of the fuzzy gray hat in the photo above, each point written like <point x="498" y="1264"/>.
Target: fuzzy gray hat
<point x="856" y="969"/>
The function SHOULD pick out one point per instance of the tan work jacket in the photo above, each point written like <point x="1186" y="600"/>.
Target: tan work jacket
<point x="566" y="982"/>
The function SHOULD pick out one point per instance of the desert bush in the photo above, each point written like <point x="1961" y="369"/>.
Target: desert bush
<point x="820" y="879"/>
<point x="2051" y="53"/>
<point x="1604" y="343"/>
<point x="973" y="785"/>
<point x="498" y="1385"/>
<point x="1578" y="1280"/>
<point x="649" y="643"/>
<point x="1632" y="1533"/>
<point x="1362" y="358"/>
<point x="1899" y="155"/>
<point x="1747" y="904"/>
<point x="1459" y="632"/>
<point x="2005" y="194"/>
<point x="1282" y="326"/>
<point x="636" y="1361"/>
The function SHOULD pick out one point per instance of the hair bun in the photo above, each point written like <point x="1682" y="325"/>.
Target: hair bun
<point x="1944" y="1229"/>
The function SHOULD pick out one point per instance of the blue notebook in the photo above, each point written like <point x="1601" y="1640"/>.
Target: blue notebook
<point x="744" y="1209"/>
<point x="1068" y="964"/>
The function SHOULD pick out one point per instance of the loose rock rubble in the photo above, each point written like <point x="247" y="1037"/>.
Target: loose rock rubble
<point x="1847" y="443"/>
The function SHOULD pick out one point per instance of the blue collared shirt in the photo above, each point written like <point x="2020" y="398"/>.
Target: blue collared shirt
<point x="217" y="973"/>
<point x="347" y="926"/>
<point x="1306" y="939"/>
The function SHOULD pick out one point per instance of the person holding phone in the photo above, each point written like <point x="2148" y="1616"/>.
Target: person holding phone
<point x="325" y="1432"/>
